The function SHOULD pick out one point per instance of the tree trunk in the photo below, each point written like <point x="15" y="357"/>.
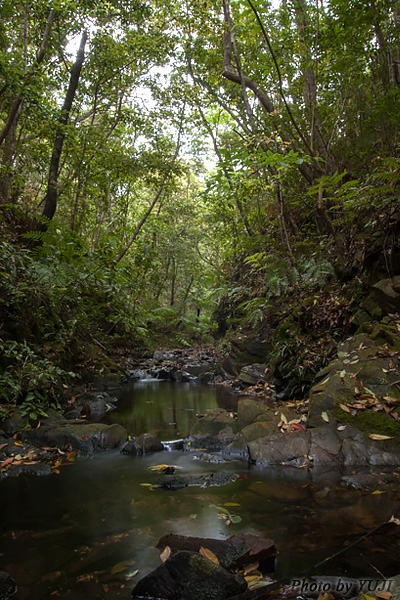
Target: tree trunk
<point x="50" y="201"/>
<point x="16" y="105"/>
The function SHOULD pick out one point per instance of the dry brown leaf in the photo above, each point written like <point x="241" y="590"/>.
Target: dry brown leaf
<point x="354" y="375"/>
<point x="166" y="553"/>
<point x="249" y="568"/>
<point x="384" y="595"/>
<point x="207" y="553"/>
<point x="344" y="407"/>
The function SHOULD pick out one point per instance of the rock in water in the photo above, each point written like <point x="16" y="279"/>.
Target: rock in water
<point x="189" y="576"/>
<point x="8" y="586"/>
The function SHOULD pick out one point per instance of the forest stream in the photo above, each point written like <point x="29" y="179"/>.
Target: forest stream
<point x="90" y="531"/>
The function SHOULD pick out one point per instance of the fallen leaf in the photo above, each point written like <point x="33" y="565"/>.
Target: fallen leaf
<point x="166" y="553"/>
<point x="342" y="427"/>
<point x="235" y="518"/>
<point x="378" y="436"/>
<point x="321" y="494"/>
<point x="384" y="595"/>
<point x="251" y="578"/>
<point x="354" y="375"/>
<point x="121" y="566"/>
<point x="252" y="567"/>
<point x="132" y="573"/>
<point x="344" y="407"/>
<point x="325" y="417"/>
<point x="146" y="485"/>
<point x="6" y="462"/>
<point x="231" y="504"/>
<point x="209" y="554"/>
<point x="376" y="492"/>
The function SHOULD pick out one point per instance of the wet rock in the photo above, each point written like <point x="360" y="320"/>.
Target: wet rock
<point x="326" y="447"/>
<point x="250" y="410"/>
<point x="228" y="367"/>
<point x="90" y="404"/>
<point x="176" y="482"/>
<point x="14" y="422"/>
<point x="189" y="576"/>
<point x="8" y="587"/>
<point x="84" y="437"/>
<point x="144" y="444"/>
<point x="147" y="443"/>
<point x="213" y="431"/>
<point x="210" y="458"/>
<point x="38" y="469"/>
<point x="252" y="374"/>
<point x="249" y="347"/>
<point x="288" y="448"/>
<point x="386" y="293"/>
<point x="235" y="552"/>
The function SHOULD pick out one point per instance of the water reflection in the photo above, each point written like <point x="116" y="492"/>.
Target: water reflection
<point x="166" y="409"/>
<point x="81" y="534"/>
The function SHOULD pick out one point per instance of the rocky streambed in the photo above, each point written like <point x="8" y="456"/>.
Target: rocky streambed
<point x="345" y="434"/>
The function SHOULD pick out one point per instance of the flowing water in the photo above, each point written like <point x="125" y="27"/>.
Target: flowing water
<point x="90" y="532"/>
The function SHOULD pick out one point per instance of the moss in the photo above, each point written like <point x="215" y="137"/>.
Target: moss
<point x="368" y="422"/>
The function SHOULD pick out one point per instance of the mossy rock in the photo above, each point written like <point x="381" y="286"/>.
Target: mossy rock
<point x="358" y="362"/>
<point x="249" y="410"/>
<point x="258" y="430"/>
<point x="214" y="422"/>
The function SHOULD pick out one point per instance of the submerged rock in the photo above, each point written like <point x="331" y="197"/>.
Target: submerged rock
<point x="176" y="482"/>
<point x="189" y="576"/>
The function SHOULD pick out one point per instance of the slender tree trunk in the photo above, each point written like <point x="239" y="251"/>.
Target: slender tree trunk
<point x="17" y="103"/>
<point x="50" y="202"/>
<point x="152" y="205"/>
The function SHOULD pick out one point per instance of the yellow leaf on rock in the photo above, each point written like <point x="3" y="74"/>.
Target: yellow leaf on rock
<point x="378" y="436"/>
<point x="325" y="416"/>
<point x="375" y="492"/>
<point x="209" y="554"/>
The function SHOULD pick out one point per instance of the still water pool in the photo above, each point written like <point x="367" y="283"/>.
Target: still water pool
<point x="90" y="531"/>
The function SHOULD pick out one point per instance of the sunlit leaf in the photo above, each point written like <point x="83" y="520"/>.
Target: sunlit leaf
<point x="378" y="436"/>
<point x="166" y="553"/>
<point x="375" y="492"/>
<point x="325" y="416"/>
<point x="133" y="573"/>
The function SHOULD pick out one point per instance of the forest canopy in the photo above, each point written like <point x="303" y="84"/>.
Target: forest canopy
<point x="187" y="168"/>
